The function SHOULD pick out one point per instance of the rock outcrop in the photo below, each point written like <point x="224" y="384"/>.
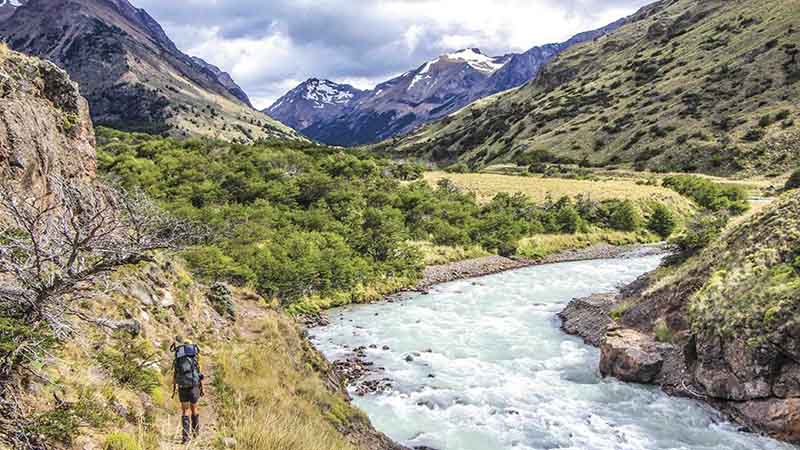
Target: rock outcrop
<point x="730" y="315"/>
<point x="631" y="356"/>
<point x="45" y="128"/>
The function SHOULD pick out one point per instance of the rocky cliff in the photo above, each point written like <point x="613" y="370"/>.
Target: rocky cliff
<point x="45" y="128"/>
<point x="722" y="327"/>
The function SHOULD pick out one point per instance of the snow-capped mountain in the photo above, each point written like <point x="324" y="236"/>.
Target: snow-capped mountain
<point x="433" y="90"/>
<point x="313" y="101"/>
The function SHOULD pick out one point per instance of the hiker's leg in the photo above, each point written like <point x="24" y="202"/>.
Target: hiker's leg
<point x="195" y="419"/>
<point x="185" y="422"/>
<point x="195" y="411"/>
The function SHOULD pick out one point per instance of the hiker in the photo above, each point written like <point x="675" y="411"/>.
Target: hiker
<point x="188" y="381"/>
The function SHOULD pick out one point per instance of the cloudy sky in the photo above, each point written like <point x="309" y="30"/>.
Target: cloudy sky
<point x="270" y="46"/>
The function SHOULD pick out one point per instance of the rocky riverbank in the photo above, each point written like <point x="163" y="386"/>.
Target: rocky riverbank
<point x="489" y="265"/>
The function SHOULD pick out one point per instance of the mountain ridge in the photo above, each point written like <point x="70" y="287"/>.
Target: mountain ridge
<point x="633" y="97"/>
<point x="132" y="74"/>
<point x="434" y="89"/>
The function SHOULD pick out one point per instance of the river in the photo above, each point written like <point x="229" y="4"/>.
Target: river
<point x="482" y="365"/>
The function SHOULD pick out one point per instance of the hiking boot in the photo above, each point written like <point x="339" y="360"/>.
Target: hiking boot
<point x="186" y="432"/>
<point x="196" y="425"/>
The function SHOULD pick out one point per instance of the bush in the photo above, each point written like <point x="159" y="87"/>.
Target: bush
<point x="794" y="181"/>
<point x="120" y="441"/>
<point x="625" y="216"/>
<point x="708" y="194"/>
<point x="458" y="168"/>
<point x="568" y="219"/>
<point x="661" y="222"/>
<point x="700" y="232"/>
<point x="129" y="363"/>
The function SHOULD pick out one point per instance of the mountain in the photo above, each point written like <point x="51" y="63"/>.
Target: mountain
<point x="312" y="101"/>
<point x="132" y="74"/>
<point x="431" y="91"/>
<point x="7" y="7"/>
<point x="684" y="85"/>
<point x="224" y="79"/>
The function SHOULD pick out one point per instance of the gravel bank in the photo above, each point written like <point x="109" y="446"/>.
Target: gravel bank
<point x="488" y="265"/>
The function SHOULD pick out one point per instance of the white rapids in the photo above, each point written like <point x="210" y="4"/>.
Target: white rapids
<point x="490" y="370"/>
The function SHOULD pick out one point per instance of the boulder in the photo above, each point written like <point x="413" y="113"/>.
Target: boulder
<point x="631" y="356"/>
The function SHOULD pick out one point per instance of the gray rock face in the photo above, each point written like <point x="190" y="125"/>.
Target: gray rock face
<point x="59" y="143"/>
<point x="429" y="92"/>
<point x="312" y="102"/>
<point x="588" y="318"/>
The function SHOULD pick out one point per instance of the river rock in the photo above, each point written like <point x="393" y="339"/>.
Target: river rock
<point x="631" y="356"/>
<point x="588" y="318"/>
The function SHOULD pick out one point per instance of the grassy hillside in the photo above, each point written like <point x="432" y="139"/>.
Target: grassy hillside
<point x="267" y="388"/>
<point x="686" y="85"/>
<point x="486" y="186"/>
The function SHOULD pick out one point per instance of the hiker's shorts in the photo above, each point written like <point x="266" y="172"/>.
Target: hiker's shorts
<point x="189" y="394"/>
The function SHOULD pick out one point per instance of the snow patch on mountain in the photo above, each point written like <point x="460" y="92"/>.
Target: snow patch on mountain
<point x="478" y="60"/>
<point x="324" y="92"/>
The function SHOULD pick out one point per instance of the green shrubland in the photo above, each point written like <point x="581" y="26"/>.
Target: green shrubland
<point x="708" y="194"/>
<point x="298" y="221"/>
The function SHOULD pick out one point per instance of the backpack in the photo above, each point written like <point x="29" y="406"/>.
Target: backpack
<point x="187" y="369"/>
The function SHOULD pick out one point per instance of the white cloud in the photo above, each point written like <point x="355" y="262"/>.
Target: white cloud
<point x="270" y="45"/>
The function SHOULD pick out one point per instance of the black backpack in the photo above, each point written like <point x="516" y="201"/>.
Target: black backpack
<point x="187" y="369"/>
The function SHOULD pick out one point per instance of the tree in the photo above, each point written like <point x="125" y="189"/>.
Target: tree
<point x="625" y="217"/>
<point x="700" y="232"/>
<point x="661" y="222"/>
<point x="52" y="253"/>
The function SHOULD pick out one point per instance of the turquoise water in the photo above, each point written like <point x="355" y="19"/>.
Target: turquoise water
<point x="491" y="370"/>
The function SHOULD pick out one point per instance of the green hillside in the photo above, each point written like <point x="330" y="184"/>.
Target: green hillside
<point x="687" y="85"/>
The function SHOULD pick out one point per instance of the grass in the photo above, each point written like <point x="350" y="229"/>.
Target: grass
<point x="271" y="396"/>
<point x="543" y="245"/>
<point x="486" y="186"/>
<point x="677" y="101"/>
<point x="434" y="255"/>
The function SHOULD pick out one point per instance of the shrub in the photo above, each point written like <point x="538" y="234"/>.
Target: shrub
<point x="661" y="222"/>
<point x="700" y="232"/>
<point x="708" y="194"/>
<point x="129" y="363"/>
<point x="457" y="168"/>
<point x="120" y="441"/>
<point x="794" y="181"/>
<point x="568" y="219"/>
<point x="663" y="332"/>
<point x="625" y="217"/>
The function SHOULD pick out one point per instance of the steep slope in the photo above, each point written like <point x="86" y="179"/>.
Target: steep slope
<point x="224" y="79"/>
<point x="433" y="90"/>
<point x="685" y="85"/>
<point x="313" y="101"/>
<point x="132" y="74"/>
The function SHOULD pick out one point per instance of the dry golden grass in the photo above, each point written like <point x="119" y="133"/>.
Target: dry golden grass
<point x="434" y="255"/>
<point x="542" y="245"/>
<point x="486" y="186"/>
<point x="270" y="397"/>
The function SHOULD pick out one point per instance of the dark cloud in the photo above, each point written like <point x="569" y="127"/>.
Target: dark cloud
<point x="268" y="45"/>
